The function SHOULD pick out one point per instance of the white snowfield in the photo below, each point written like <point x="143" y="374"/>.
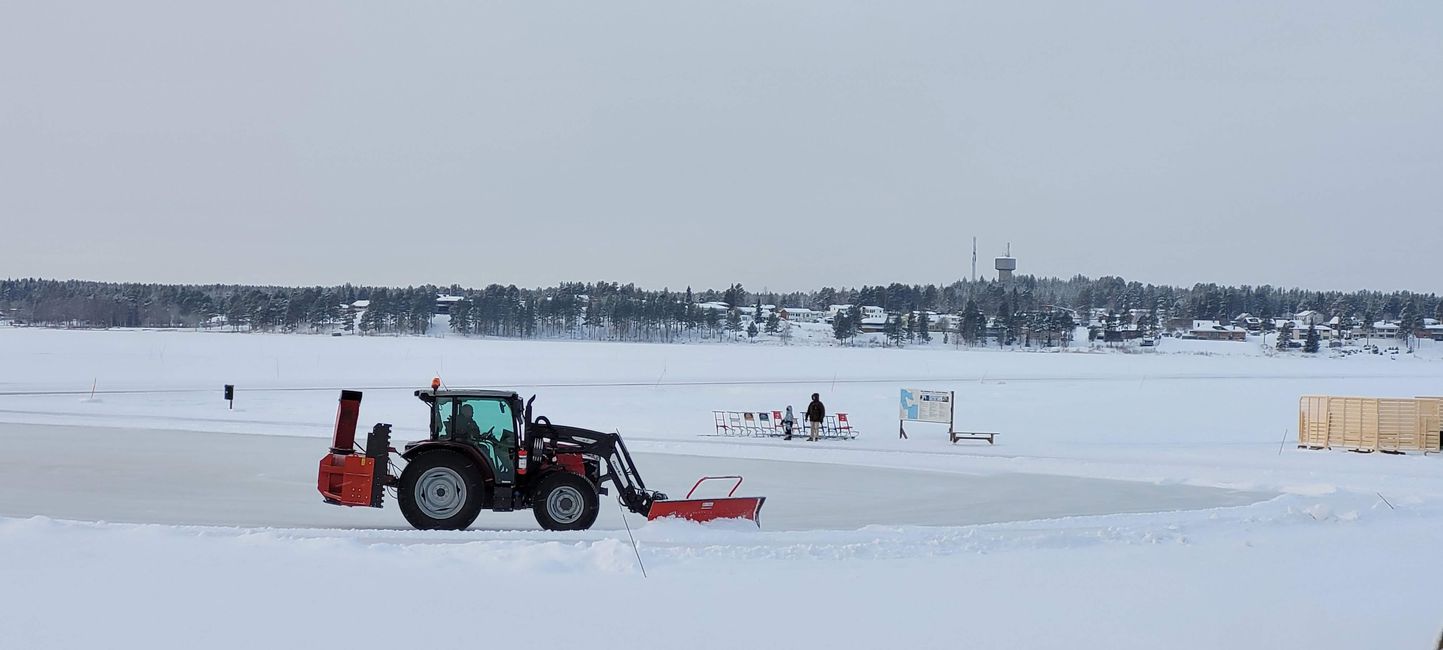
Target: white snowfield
<point x="1132" y="501"/>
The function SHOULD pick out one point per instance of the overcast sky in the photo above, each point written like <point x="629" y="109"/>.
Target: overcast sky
<point x="784" y="145"/>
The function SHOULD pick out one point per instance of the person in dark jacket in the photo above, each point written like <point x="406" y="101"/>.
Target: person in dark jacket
<point x="463" y="428"/>
<point x="816" y="412"/>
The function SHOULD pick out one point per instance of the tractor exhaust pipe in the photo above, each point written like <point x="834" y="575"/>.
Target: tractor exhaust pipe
<point x="343" y="440"/>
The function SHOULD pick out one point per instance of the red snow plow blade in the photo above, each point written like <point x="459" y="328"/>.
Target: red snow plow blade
<point x="704" y="510"/>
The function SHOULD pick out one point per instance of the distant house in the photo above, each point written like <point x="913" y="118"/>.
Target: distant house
<point x="1211" y="330"/>
<point x="1125" y="333"/>
<point x="1179" y="324"/>
<point x="715" y="306"/>
<point x="1309" y="317"/>
<point x="935" y="322"/>
<point x="1076" y="318"/>
<point x="932" y="317"/>
<point x="799" y="315"/>
<point x="867" y="312"/>
<point x="995" y="328"/>
<point x="1300" y="329"/>
<point x="444" y="302"/>
<point x="872" y="324"/>
<point x="1432" y="331"/>
<point x="1248" y="322"/>
<point x="1219" y="333"/>
<point x="947" y="322"/>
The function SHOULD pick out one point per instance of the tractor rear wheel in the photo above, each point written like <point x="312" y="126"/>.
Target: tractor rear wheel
<point x="440" y="490"/>
<point x="565" y="501"/>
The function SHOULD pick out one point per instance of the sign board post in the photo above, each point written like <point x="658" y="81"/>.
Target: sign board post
<point x="230" y="394"/>
<point x="926" y="406"/>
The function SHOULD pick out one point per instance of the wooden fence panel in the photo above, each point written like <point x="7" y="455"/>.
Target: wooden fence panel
<point x="1313" y="422"/>
<point x="1370" y="423"/>
<point x="1432" y="419"/>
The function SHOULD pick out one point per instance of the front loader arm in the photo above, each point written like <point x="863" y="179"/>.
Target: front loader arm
<point x="611" y="449"/>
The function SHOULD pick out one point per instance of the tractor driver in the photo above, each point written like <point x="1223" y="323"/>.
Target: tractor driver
<point x="463" y="426"/>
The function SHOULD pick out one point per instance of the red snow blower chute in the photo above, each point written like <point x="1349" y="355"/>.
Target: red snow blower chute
<point x="486" y="452"/>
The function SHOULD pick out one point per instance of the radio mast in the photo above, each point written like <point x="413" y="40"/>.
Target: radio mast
<point x="974" y="259"/>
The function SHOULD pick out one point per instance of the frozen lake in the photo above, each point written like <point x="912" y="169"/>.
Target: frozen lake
<point x="1132" y="500"/>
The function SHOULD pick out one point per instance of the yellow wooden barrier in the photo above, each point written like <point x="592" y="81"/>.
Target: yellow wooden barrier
<point x="1370" y="423"/>
<point x="1433" y="426"/>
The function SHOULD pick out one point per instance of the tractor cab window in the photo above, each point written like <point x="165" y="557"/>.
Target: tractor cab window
<point x="493" y="417"/>
<point x="490" y="424"/>
<point x="445" y="423"/>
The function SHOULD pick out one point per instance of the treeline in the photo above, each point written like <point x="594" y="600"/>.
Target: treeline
<point x="608" y="310"/>
<point x="73" y="303"/>
<point x="600" y="310"/>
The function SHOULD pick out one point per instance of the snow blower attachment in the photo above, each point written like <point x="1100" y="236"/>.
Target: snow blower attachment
<point x="486" y="452"/>
<point x="350" y="477"/>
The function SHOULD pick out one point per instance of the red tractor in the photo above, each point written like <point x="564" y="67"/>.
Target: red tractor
<point x="486" y="452"/>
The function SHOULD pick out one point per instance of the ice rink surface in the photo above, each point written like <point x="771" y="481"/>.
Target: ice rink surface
<point x="219" y="479"/>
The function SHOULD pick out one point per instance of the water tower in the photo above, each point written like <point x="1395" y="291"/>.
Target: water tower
<point x="1005" y="265"/>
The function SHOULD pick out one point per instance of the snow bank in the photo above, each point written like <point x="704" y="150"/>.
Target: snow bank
<point x="1267" y="576"/>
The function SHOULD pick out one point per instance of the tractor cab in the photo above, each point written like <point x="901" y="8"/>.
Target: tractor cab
<point x="488" y="420"/>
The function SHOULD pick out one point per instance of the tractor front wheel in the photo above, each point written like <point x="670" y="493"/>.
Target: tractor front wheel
<point x="565" y="501"/>
<point x="440" y="490"/>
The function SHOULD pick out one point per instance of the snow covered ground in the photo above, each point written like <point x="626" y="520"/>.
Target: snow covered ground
<point x="1132" y="501"/>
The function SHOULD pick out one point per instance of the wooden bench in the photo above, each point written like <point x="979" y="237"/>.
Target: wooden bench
<point x="972" y="435"/>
